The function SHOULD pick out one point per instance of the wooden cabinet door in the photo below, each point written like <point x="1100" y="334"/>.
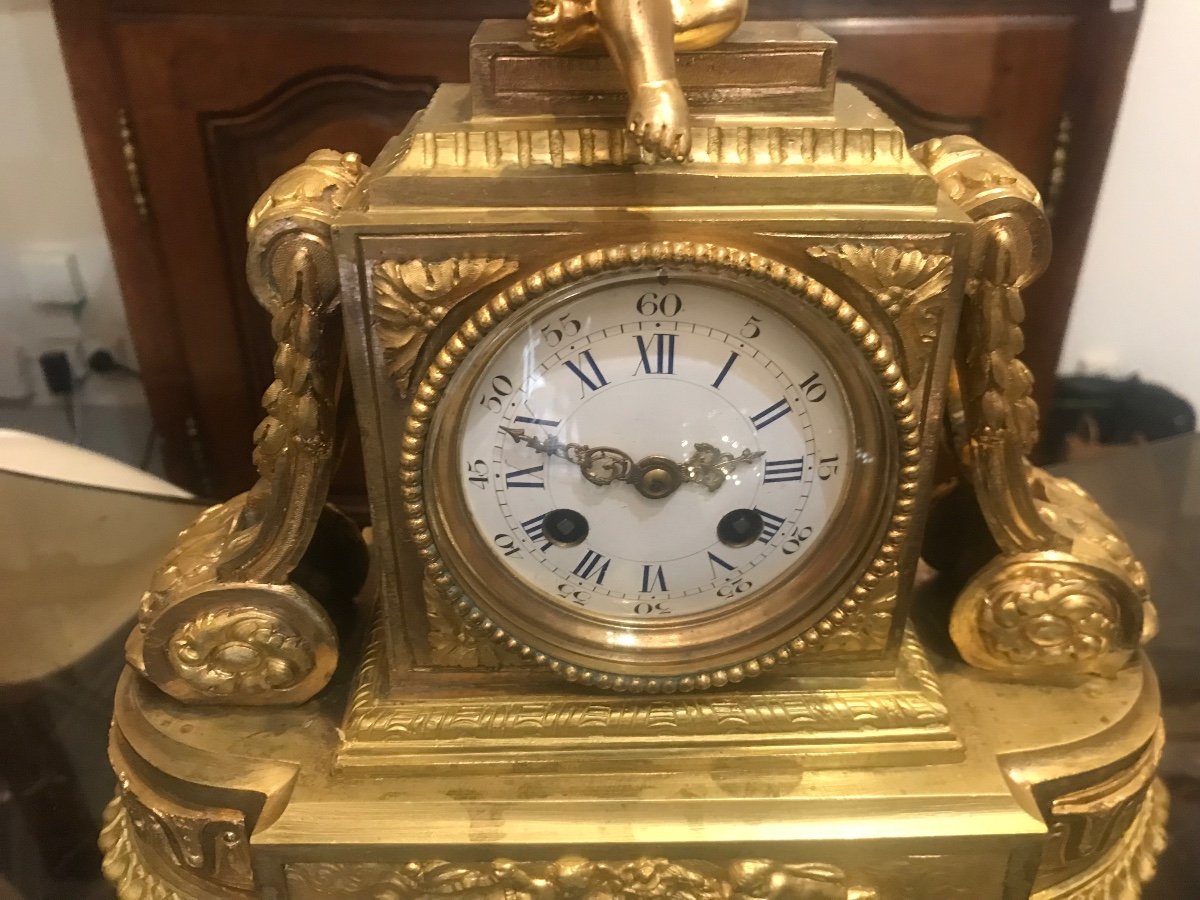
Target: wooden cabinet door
<point x="218" y="109"/>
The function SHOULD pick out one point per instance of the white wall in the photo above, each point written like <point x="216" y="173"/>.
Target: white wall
<point x="46" y="195"/>
<point x="1137" y="309"/>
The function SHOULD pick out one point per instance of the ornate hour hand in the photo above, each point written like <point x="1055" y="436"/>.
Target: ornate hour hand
<point x="655" y="477"/>
<point x="600" y="465"/>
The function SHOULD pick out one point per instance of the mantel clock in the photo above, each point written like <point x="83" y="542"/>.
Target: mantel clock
<point x="655" y="333"/>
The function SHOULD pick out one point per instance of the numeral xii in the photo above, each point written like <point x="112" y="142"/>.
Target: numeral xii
<point x="662" y="361"/>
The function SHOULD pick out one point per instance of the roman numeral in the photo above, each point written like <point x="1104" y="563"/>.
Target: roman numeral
<point x="772" y="413"/>
<point x="664" y="355"/>
<point x="545" y="423"/>
<point x="725" y="371"/>
<point x="771" y="525"/>
<point x="714" y="561"/>
<point x="653" y="579"/>
<point x="781" y="470"/>
<point x="592" y="567"/>
<point x="533" y="477"/>
<point x="536" y="530"/>
<point x="587" y="359"/>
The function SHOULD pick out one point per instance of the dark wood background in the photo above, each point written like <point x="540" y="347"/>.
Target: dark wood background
<point x="190" y="108"/>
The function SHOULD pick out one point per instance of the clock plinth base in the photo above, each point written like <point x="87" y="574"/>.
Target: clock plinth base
<point x="1051" y="795"/>
<point x="825" y="722"/>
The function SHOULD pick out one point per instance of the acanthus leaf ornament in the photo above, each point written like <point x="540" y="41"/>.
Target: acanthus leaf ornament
<point x="379" y="729"/>
<point x="904" y="282"/>
<point x="451" y="643"/>
<point x="413" y="297"/>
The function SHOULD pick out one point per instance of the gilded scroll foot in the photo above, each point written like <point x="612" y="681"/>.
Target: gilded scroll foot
<point x="230" y="617"/>
<point x="207" y="639"/>
<point x="1066" y="595"/>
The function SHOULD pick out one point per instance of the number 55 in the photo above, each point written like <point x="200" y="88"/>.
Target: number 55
<point x="564" y="328"/>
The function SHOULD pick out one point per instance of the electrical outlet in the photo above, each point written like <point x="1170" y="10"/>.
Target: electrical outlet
<point x="53" y="279"/>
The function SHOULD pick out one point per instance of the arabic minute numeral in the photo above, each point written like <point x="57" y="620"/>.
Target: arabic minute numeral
<point x="793" y="544"/>
<point x="502" y="387"/>
<point x="563" y="328"/>
<point x="477" y="473"/>
<point x="827" y="468"/>
<point x="814" y="390"/>
<point x="733" y="588"/>
<point x="507" y="545"/>
<point x="651" y="609"/>
<point x="578" y="597"/>
<point x="752" y="328"/>
<point x="652" y="304"/>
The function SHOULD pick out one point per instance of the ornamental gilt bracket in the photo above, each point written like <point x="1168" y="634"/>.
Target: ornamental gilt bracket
<point x="226" y="618"/>
<point x="1066" y="596"/>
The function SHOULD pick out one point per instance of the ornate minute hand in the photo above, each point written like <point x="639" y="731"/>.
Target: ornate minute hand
<point x="655" y="477"/>
<point x="710" y="467"/>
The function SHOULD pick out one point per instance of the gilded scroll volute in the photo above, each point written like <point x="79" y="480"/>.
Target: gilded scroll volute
<point x="1004" y="204"/>
<point x="1066" y="596"/>
<point x="223" y="620"/>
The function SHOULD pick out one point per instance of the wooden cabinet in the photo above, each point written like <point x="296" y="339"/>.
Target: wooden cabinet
<point x="190" y="108"/>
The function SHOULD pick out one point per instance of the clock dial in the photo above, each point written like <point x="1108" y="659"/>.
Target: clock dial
<point x="658" y="477"/>
<point x="655" y="447"/>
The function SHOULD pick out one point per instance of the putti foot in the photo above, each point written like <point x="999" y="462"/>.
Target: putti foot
<point x="658" y="119"/>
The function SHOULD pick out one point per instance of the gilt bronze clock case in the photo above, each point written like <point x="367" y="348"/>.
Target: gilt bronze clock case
<point x="482" y="219"/>
<point x="466" y="727"/>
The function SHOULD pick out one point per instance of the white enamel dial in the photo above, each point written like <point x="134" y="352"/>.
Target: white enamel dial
<point x="737" y="426"/>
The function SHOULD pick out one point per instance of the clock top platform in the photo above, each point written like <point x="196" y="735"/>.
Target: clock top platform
<point x="547" y="130"/>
